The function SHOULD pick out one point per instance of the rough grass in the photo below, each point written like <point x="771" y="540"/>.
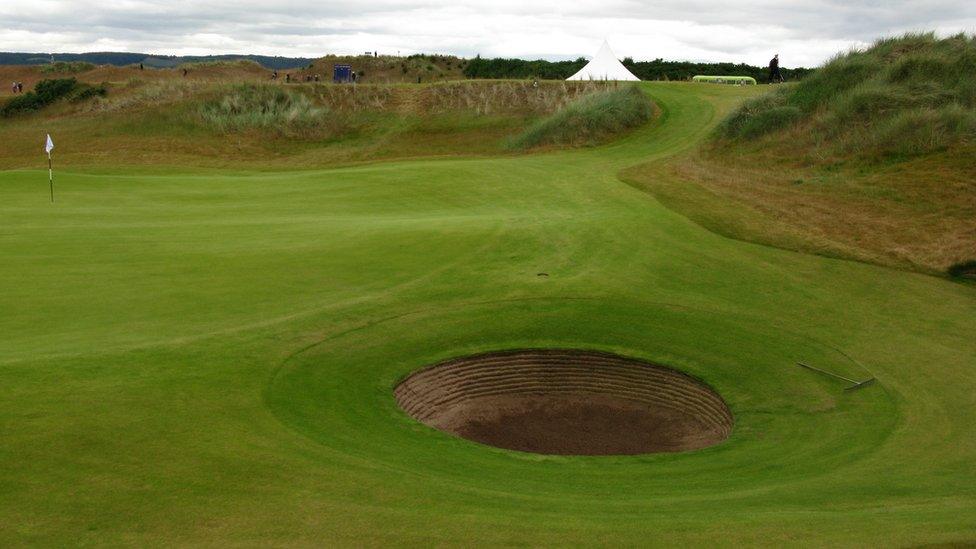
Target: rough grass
<point x="223" y="63"/>
<point x="869" y="158"/>
<point x="489" y="97"/>
<point x="50" y="91"/>
<point x="589" y="120"/>
<point x="138" y="94"/>
<point x="761" y="115"/>
<point x="187" y="120"/>
<point x="916" y="215"/>
<point x="387" y="69"/>
<point x="492" y="97"/>
<point x="262" y="106"/>
<point x="66" y="67"/>
<point x="902" y="97"/>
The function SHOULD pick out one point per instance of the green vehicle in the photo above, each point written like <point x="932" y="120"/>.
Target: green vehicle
<point x="738" y="80"/>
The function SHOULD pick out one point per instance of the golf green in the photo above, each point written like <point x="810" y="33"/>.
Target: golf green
<point x="208" y="358"/>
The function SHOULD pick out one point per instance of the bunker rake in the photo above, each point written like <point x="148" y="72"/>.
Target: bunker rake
<point x="856" y="384"/>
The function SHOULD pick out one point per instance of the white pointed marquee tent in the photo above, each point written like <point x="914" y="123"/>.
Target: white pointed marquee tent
<point x="604" y="66"/>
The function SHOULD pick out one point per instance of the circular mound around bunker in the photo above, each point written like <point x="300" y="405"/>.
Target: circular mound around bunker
<point x="566" y="402"/>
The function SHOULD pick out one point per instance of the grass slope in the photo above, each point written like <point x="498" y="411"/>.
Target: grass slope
<point x="230" y="119"/>
<point x="901" y="97"/>
<point x="868" y="158"/>
<point x="207" y="358"/>
<point x="594" y="119"/>
<point x="388" y="69"/>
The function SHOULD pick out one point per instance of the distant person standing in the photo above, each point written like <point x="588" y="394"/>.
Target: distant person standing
<point x="20" y="87"/>
<point x="141" y="67"/>
<point x="184" y="72"/>
<point x="774" y="74"/>
<point x="13" y="88"/>
<point x="288" y="77"/>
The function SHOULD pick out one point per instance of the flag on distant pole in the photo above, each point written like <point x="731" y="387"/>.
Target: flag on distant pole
<point x="48" y="147"/>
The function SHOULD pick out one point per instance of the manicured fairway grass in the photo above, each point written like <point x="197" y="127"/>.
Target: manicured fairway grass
<point x="208" y="358"/>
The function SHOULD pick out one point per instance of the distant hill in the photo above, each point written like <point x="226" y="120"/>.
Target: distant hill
<point x="149" y="60"/>
<point x="382" y="69"/>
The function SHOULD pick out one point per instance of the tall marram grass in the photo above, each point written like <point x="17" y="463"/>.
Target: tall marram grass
<point x="66" y="67"/>
<point x="265" y="107"/>
<point x="484" y="97"/>
<point x="760" y="115"/>
<point x="903" y="96"/>
<point x="239" y="63"/>
<point x="589" y="120"/>
<point x="505" y="96"/>
<point x="135" y="93"/>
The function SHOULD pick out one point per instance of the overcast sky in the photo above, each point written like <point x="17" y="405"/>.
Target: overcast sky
<point x="804" y="32"/>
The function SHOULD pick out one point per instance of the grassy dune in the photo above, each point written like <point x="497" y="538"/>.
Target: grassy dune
<point x="900" y="98"/>
<point x="263" y="107"/>
<point x="207" y="357"/>
<point x="868" y="158"/>
<point x="387" y="69"/>
<point x="593" y="119"/>
<point x="230" y="120"/>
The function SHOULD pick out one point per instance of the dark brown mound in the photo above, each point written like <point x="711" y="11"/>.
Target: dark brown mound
<point x="566" y="402"/>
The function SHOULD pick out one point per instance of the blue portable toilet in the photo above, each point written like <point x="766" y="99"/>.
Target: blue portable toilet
<point x="341" y="73"/>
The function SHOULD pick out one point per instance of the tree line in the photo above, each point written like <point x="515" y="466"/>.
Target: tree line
<point x="156" y="61"/>
<point x="658" y="69"/>
<point x="478" y="67"/>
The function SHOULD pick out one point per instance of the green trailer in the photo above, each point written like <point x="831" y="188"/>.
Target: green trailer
<point x="738" y="80"/>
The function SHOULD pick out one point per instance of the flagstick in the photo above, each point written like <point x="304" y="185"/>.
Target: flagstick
<point x="50" y="175"/>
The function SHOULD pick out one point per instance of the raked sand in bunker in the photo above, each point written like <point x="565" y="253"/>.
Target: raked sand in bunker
<point x="566" y="402"/>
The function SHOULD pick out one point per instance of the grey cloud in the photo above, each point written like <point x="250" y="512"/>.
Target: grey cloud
<point x="472" y="26"/>
<point x="856" y="19"/>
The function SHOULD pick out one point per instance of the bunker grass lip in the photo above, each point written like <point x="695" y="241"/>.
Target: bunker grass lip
<point x="566" y="402"/>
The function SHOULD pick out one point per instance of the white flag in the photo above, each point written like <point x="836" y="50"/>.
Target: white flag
<point x="49" y="146"/>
